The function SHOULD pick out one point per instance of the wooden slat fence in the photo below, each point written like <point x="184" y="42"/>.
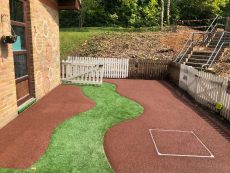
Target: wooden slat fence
<point x="82" y="73"/>
<point x="147" y="69"/>
<point x="113" y="67"/>
<point x="206" y="88"/>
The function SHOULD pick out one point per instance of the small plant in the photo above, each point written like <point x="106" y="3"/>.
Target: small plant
<point x="114" y="18"/>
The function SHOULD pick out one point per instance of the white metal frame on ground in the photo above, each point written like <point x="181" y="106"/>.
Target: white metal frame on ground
<point x="180" y="155"/>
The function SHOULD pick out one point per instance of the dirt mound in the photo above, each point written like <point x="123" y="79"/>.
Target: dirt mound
<point x="140" y="45"/>
<point x="222" y="67"/>
<point x="144" y="45"/>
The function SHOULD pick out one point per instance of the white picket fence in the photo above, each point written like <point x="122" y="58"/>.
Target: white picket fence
<point x="206" y="88"/>
<point x="113" y="67"/>
<point x="82" y="73"/>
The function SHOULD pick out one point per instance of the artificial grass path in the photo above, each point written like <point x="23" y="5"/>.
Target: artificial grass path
<point x="77" y="145"/>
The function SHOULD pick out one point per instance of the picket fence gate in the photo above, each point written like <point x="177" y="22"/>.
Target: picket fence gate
<point x="113" y="67"/>
<point x="206" y="88"/>
<point x="82" y="73"/>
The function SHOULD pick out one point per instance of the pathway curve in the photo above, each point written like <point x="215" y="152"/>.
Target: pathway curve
<point x="25" y="139"/>
<point x="130" y="148"/>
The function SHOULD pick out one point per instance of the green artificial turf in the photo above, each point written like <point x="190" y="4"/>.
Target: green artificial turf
<point x="77" y="145"/>
<point x="23" y="108"/>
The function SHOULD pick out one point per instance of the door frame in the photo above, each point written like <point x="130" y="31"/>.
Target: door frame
<point x="24" y="24"/>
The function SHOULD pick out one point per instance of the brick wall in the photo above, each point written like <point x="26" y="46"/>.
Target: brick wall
<point x="43" y="39"/>
<point x="8" y="103"/>
<point x="45" y="43"/>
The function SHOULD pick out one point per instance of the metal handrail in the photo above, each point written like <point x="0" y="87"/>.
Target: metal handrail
<point x="213" y="27"/>
<point x="207" y="65"/>
<point x="202" y="35"/>
<point x="218" y="44"/>
<point x="215" y="52"/>
<point x="191" y="38"/>
<point x="210" y="33"/>
<point x="225" y="33"/>
<point x="187" y="46"/>
<point x="212" y="23"/>
<point x="186" y="51"/>
<point x="182" y="50"/>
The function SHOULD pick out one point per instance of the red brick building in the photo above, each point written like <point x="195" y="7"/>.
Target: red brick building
<point x="30" y="67"/>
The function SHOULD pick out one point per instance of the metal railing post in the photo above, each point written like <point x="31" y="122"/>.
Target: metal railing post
<point x="216" y="50"/>
<point x="207" y="36"/>
<point x="193" y="39"/>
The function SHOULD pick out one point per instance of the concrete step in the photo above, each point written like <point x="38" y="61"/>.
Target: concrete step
<point x="217" y="37"/>
<point x="200" y="56"/>
<point x="202" y="53"/>
<point x="198" y="68"/>
<point x="216" y="41"/>
<point x="194" y="64"/>
<point x="218" y="34"/>
<point x="211" y="46"/>
<point x="197" y="56"/>
<point x="195" y="60"/>
<point x="214" y="46"/>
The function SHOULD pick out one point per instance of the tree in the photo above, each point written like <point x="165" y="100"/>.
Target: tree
<point x="88" y="7"/>
<point x="226" y="9"/>
<point x="150" y="13"/>
<point x="200" y="9"/>
<point x="162" y="13"/>
<point x="168" y="11"/>
<point x="141" y="13"/>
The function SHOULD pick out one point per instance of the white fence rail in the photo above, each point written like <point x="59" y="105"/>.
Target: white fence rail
<point x="82" y="73"/>
<point x="113" y="67"/>
<point x="206" y="88"/>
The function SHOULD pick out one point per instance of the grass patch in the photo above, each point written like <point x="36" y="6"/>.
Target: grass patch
<point x="77" y="144"/>
<point x="73" y="38"/>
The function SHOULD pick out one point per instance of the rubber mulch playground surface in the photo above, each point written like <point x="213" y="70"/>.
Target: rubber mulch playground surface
<point x="25" y="139"/>
<point x="185" y="142"/>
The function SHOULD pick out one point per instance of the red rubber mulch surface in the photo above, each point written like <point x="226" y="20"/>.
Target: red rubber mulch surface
<point x="129" y="145"/>
<point x="25" y="139"/>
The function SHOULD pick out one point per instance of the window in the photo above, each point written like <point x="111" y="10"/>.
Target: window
<point x="20" y="65"/>
<point x="20" y="44"/>
<point x="18" y="23"/>
<point x="16" y="10"/>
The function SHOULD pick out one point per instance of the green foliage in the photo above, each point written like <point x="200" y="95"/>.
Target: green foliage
<point x="69" y="18"/>
<point x="77" y="144"/>
<point x="226" y="9"/>
<point x="137" y="13"/>
<point x="140" y="13"/>
<point x="200" y="9"/>
<point x="114" y="17"/>
<point x="151" y="13"/>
